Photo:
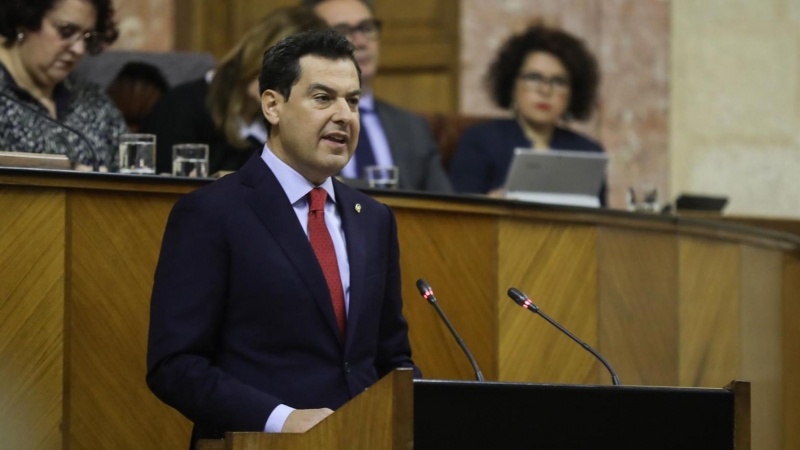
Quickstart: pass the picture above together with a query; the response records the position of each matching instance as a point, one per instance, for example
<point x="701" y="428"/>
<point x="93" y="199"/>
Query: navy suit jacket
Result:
<point x="241" y="318"/>
<point x="485" y="151"/>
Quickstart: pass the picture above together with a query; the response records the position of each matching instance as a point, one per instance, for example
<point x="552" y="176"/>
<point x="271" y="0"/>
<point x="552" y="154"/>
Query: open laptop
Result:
<point x="558" y="177"/>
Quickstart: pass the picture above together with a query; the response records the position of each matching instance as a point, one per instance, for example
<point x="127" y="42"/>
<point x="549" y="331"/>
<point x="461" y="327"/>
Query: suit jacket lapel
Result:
<point x="356" y="255"/>
<point x="269" y="202"/>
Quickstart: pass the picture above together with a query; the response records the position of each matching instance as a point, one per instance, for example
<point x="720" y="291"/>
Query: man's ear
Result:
<point x="271" y="106"/>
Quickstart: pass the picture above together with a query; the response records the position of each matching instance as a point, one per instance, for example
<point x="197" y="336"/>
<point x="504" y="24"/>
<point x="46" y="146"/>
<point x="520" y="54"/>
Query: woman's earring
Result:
<point x="20" y="36"/>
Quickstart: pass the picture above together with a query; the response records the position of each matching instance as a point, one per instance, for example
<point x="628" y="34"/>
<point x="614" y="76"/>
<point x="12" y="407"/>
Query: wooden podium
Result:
<point x="398" y="413"/>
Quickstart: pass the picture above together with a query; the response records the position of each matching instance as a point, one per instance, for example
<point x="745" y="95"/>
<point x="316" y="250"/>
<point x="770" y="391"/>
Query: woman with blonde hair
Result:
<point x="223" y="109"/>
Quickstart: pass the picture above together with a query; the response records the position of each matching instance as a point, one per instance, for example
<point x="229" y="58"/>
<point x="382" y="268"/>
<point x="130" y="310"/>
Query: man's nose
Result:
<point x="344" y="112"/>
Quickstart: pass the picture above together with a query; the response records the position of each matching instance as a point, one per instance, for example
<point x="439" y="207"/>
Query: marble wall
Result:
<point x="735" y="120"/>
<point x="631" y="41"/>
<point x="145" y="25"/>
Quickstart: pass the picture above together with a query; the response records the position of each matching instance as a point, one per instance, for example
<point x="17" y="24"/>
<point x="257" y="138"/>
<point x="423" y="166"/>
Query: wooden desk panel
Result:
<point x="709" y="307"/>
<point x="115" y="241"/>
<point x="668" y="300"/>
<point x="638" y="286"/>
<point x="31" y="317"/>
<point x="555" y="265"/>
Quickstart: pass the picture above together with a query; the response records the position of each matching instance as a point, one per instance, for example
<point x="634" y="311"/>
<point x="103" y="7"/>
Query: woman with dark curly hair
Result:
<point x="41" y="42"/>
<point x="546" y="77"/>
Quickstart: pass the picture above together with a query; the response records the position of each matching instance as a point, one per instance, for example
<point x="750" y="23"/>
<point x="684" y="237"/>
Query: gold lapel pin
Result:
<point x="358" y="208"/>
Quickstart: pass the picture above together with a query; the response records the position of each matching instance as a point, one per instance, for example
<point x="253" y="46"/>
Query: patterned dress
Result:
<point x="80" y="105"/>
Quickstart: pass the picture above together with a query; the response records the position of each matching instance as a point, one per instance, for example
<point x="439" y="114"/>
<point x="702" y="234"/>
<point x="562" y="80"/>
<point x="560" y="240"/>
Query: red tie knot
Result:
<point x="316" y="199"/>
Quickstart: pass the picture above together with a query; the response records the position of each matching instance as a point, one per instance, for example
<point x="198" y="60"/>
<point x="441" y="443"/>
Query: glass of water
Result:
<point x="190" y="160"/>
<point x="642" y="199"/>
<point x="137" y="153"/>
<point x="382" y="177"/>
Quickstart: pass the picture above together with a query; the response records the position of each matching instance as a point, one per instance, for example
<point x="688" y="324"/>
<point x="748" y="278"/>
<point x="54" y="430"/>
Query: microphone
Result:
<point x="58" y="124"/>
<point x="427" y="293"/>
<point x="523" y="300"/>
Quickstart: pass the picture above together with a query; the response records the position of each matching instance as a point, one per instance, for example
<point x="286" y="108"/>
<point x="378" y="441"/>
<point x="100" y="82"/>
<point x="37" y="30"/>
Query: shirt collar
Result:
<point x="294" y="185"/>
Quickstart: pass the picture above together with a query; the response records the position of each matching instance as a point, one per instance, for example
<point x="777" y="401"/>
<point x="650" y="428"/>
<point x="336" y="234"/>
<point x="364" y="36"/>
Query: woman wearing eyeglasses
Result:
<point x="41" y="42"/>
<point x="546" y="77"/>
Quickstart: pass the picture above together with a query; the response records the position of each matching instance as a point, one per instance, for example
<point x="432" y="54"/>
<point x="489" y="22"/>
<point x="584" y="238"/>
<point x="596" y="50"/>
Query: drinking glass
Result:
<point x="382" y="177"/>
<point x="642" y="199"/>
<point x="190" y="160"/>
<point x="137" y="153"/>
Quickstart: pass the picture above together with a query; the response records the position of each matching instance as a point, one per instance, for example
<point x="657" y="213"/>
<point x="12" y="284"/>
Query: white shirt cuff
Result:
<point x="277" y="419"/>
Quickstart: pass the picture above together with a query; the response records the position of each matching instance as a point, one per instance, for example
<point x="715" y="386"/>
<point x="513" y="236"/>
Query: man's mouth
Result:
<point x="337" y="138"/>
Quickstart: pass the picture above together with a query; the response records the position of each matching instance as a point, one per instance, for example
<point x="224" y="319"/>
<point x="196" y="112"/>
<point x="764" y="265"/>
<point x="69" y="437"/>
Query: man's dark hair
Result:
<point x="28" y="14"/>
<point x="310" y="4"/>
<point x="280" y="69"/>
<point x="584" y="74"/>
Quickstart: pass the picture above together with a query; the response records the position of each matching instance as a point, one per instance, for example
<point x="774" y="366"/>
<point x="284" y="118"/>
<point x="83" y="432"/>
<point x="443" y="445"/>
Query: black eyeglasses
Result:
<point x="536" y="80"/>
<point x="71" y="33"/>
<point x="369" y="28"/>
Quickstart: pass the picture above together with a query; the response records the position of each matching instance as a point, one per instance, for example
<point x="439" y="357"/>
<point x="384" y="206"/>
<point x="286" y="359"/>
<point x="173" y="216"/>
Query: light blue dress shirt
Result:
<point x="297" y="188"/>
<point x="376" y="135"/>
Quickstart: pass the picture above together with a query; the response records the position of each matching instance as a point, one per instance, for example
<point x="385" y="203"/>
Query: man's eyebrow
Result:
<point x="320" y="87"/>
<point x="330" y="91"/>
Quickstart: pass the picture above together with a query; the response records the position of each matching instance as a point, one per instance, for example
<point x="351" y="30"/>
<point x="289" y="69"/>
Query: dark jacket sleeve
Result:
<point x="187" y="307"/>
<point x="394" y="349"/>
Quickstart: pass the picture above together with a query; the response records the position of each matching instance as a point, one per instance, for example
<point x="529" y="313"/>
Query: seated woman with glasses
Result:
<point x="41" y="42"/>
<point x="546" y="77"/>
<point x="223" y="108"/>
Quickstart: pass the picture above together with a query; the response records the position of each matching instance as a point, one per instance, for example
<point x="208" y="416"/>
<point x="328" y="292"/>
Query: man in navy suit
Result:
<point x="277" y="292"/>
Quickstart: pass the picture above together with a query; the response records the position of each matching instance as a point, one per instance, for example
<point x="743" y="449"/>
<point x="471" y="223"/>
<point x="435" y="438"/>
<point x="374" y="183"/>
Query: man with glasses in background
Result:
<point x="389" y="135"/>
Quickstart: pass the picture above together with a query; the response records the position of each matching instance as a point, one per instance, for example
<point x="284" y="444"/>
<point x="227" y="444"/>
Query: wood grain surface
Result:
<point x="761" y="352"/>
<point x="791" y="350"/>
<point x="379" y="418"/>
<point x="77" y="256"/>
<point x="637" y="296"/>
<point x="457" y="256"/>
<point x="31" y="317"/>
<point x="116" y="239"/>
<point x="556" y="267"/>
<point x="709" y="308"/>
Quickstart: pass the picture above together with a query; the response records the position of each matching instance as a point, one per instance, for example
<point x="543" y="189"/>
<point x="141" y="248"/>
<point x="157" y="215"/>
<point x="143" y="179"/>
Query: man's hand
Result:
<point x="302" y="420"/>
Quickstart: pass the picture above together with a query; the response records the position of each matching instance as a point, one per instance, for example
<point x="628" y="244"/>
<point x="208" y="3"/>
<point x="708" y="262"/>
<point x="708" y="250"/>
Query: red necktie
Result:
<point x="322" y="244"/>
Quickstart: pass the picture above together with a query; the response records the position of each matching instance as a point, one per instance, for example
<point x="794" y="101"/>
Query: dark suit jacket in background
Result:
<point x="485" y="151"/>
<point x="413" y="149"/>
<point x="182" y="116"/>
<point x="241" y="319"/>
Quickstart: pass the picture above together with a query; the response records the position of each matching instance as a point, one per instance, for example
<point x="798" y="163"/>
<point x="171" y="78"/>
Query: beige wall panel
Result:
<point x="417" y="91"/>
<point x="116" y="240"/>
<point x="791" y="350"/>
<point x="734" y="96"/>
<point x="637" y="296"/>
<point x="31" y="318"/>
<point x="761" y="342"/>
<point x="555" y="265"/>
<point x="709" y="312"/>
<point x="457" y="257"/>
